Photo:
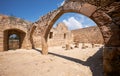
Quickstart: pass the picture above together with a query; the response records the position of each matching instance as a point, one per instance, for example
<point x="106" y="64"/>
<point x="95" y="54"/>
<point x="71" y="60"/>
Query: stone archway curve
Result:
<point x="92" y="11"/>
<point x="105" y="13"/>
<point x="9" y="32"/>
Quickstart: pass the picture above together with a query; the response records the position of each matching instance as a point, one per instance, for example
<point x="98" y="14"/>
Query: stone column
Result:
<point x="67" y="46"/>
<point x="83" y="46"/>
<point x="111" y="61"/>
<point x="92" y="45"/>
<point x="44" y="46"/>
<point x="28" y="44"/>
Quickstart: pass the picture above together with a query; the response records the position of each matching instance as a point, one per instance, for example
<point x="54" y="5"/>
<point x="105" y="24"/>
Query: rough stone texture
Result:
<point x="87" y="9"/>
<point x="111" y="61"/>
<point x="100" y="16"/>
<point x="88" y="35"/>
<point x="59" y="35"/>
<point x="62" y="36"/>
<point x="106" y="14"/>
<point x="14" y="44"/>
<point x="110" y="30"/>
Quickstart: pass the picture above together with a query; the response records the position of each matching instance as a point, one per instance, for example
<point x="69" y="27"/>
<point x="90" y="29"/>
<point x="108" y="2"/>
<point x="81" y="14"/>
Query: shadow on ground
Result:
<point x="94" y="62"/>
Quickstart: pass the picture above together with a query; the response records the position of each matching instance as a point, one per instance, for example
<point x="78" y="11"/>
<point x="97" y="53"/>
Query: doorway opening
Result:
<point x="14" y="42"/>
<point x="13" y="39"/>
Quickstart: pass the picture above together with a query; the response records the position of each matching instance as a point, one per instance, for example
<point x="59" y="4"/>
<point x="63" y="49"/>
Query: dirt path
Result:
<point x="59" y="62"/>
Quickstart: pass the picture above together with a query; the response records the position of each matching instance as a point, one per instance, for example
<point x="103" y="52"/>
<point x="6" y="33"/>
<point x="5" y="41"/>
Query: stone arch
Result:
<point x="85" y="9"/>
<point x="99" y="15"/>
<point x="105" y="13"/>
<point x="30" y="34"/>
<point x="9" y="32"/>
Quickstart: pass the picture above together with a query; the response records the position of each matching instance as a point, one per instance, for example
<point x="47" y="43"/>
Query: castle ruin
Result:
<point x="105" y="13"/>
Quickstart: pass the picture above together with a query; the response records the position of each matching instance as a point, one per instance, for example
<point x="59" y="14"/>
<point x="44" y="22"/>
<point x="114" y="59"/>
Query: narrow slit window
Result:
<point x="64" y="35"/>
<point x="51" y="35"/>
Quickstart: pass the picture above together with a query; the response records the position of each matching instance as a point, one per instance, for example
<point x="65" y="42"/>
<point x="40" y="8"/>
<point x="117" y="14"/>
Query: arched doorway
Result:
<point x="13" y="39"/>
<point x="14" y="42"/>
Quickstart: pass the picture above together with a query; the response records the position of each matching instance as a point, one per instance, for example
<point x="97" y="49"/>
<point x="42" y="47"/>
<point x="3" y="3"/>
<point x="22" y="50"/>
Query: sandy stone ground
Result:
<point x="59" y="62"/>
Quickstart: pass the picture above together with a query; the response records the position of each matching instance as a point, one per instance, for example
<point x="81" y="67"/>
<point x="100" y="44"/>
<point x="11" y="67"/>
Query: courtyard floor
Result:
<point x="59" y="62"/>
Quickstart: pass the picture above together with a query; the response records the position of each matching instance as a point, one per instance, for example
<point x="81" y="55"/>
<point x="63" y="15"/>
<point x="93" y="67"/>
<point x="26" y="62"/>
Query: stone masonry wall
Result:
<point x="57" y="36"/>
<point x="61" y="35"/>
<point x="12" y="25"/>
<point x="88" y="35"/>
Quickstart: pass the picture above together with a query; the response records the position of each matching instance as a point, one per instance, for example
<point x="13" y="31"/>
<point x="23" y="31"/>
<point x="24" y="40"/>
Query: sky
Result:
<point x="32" y="10"/>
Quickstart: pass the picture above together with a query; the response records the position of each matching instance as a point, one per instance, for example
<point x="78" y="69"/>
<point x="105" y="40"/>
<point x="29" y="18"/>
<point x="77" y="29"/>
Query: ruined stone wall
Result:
<point x="12" y="25"/>
<point x="61" y="36"/>
<point x="106" y="15"/>
<point x="88" y="35"/>
<point x="57" y="36"/>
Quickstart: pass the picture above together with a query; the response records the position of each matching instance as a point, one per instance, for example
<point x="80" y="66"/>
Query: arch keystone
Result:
<point x="88" y="9"/>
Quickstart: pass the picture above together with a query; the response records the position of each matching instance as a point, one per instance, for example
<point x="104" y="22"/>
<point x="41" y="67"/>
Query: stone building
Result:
<point x="10" y="25"/>
<point x="58" y="36"/>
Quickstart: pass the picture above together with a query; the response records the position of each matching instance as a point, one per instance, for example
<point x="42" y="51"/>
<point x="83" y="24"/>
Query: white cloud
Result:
<point x="72" y="23"/>
<point x="81" y="18"/>
<point x="86" y="25"/>
<point x="61" y="4"/>
<point x="85" y="21"/>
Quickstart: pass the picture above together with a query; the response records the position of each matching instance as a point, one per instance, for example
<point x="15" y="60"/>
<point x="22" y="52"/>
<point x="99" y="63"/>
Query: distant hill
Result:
<point x="88" y="35"/>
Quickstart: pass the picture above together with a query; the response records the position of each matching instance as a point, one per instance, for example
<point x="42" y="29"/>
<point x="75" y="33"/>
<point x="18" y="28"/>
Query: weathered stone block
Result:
<point x="68" y="47"/>
<point x="111" y="61"/>
<point x="44" y="47"/>
<point x="88" y="9"/>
